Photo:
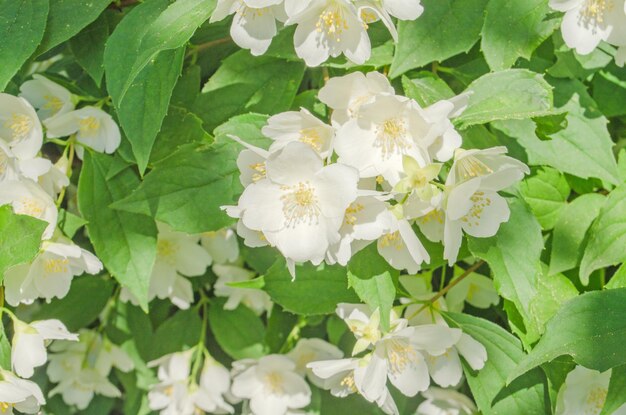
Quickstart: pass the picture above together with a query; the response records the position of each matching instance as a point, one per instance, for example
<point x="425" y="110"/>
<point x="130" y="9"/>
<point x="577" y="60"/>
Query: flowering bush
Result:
<point x="289" y="207"/>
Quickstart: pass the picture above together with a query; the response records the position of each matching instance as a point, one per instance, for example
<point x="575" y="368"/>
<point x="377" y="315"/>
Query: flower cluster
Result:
<point x="588" y="22"/>
<point x="324" y="28"/>
<point x="321" y="192"/>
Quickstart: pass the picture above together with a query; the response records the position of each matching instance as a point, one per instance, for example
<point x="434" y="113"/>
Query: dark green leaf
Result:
<point x="20" y="238"/>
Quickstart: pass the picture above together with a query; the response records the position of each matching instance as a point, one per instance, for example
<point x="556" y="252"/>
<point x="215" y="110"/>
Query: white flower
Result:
<point x="254" y="23"/>
<point x="82" y="368"/>
<point x="302" y="126"/>
<point x="476" y="290"/>
<point x="372" y="10"/>
<point x="55" y="179"/>
<point x="272" y="386"/>
<point x="20" y="394"/>
<point x="49" y="98"/>
<point x="214" y="385"/>
<point x="445" y="402"/>
<point x="496" y="171"/>
<point x="401" y="247"/>
<point x="584" y="393"/>
<point x="20" y="127"/>
<point x="256" y="300"/>
<point x="50" y="274"/>
<point x="178" y="254"/>
<point x="439" y="115"/>
<point x="362" y="322"/>
<point x="27" y="198"/>
<point x="588" y="22"/>
<point x="14" y="168"/>
<point x="92" y="127"/>
<point x="28" y="349"/>
<point x="346" y="94"/>
<point x="329" y="28"/>
<point x="300" y="206"/>
<point x="310" y="350"/>
<point x="221" y="245"/>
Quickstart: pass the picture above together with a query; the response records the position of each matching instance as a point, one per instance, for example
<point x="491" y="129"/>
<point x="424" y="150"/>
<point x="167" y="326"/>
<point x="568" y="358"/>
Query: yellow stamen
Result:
<point x="391" y="137"/>
<point x="20" y="125"/>
<point x="89" y="125"/>
<point x="300" y="204"/>
<point x="56" y="266"/>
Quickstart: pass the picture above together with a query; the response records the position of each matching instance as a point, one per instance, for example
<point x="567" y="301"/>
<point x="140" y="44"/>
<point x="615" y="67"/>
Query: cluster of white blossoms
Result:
<point x="324" y="28"/>
<point x="586" y="23"/>
<point x="321" y="192"/>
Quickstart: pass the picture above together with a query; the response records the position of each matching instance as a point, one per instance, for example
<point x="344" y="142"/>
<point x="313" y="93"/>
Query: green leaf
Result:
<point x="88" y="294"/>
<point x="583" y="148"/>
<point x="247" y="127"/>
<point x="179" y="332"/>
<point x="149" y="28"/>
<point x="70" y="223"/>
<point x="447" y="28"/>
<point x="426" y="90"/>
<point x="20" y="238"/>
<point x="546" y="193"/>
<point x="22" y="23"/>
<point x="5" y="350"/>
<point x="124" y="242"/>
<point x="505" y="95"/>
<point x="618" y="280"/>
<point x="246" y="83"/>
<point x="616" y="396"/>
<point x="514" y="29"/>
<point x="607" y="236"/>
<point x="569" y="232"/>
<point x="187" y="189"/>
<point x="609" y="91"/>
<point x="552" y="292"/>
<point x="576" y="330"/>
<point x="367" y="263"/>
<point x="145" y="104"/>
<point x="514" y="258"/>
<point x="504" y="352"/>
<point x="302" y="294"/>
<point x="88" y="47"/>
<point x="378" y="292"/>
<point x="68" y="17"/>
<point x="239" y="332"/>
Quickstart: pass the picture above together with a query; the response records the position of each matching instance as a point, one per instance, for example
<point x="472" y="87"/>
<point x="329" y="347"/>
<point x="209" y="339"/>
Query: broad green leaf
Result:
<point x="150" y="28"/>
<point x="570" y="64"/>
<point x="179" y="332"/>
<point x="607" y="236"/>
<point x="590" y="328"/>
<point x="88" y="294"/>
<point x="546" y="193"/>
<point x="188" y="189"/>
<point x="514" y="258"/>
<point x="70" y="223"/>
<point x="367" y="263"/>
<point x="505" y="95"/>
<point x="552" y="292"/>
<point x="88" y="47"/>
<point x="609" y="91"/>
<point x="20" y="238"/>
<point x="583" y="149"/>
<point x="504" y="352"/>
<point x="247" y="127"/>
<point x="145" y="104"/>
<point x="514" y="29"/>
<point x="618" y="280"/>
<point x="378" y="292"/>
<point x="447" y="28"/>
<point x="569" y="232"/>
<point x="125" y="242"/>
<point x="302" y="295"/>
<point x="22" y="24"/>
<point x="68" y="17"/>
<point x="245" y="83"/>
<point x="279" y="325"/>
<point x="239" y="332"/>
<point x="426" y="90"/>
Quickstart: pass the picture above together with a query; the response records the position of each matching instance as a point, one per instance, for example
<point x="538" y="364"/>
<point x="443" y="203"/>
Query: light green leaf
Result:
<point x="188" y="189"/>
<point x="426" y="90"/>
<point x="68" y="17"/>
<point x="576" y="330"/>
<point x="504" y="352"/>
<point x="22" y="23"/>
<point x="88" y="47"/>
<point x="505" y="95"/>
<point x="514" y="258"/>
<point x="569" y="232"/>
<point x="607" y="236"/>
<point x="546" y="193"/>
<point x="20" y="238"/>
<point x="552" y="292"/>
<point x="378" y="292"/>
<point x="246" y="83"/>
<point x="514" y="29"/>
<point x="125" y="242"/>
<point x="69" y="223"/>
<point x="302" y="294"/>
<point x="239" y="332"/>
<point x="5" y="350"/>
<point x="447" y="28"/>
<point x="618" y="280"/>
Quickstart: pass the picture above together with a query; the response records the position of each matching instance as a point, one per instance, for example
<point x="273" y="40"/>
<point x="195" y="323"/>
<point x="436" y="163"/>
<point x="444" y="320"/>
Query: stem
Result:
<point x="68" y="172"/>
<point x="195" y="49"/>
<point x="293" y="334"/>
<point x="199" y="352"/>
<point x="448" y="287"/>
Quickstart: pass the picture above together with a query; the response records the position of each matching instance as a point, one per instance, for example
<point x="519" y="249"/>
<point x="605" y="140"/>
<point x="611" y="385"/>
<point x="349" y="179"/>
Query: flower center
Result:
<point x="20" y="125"/>
<point x="259" y="171"/>
<point x="311" y="137"/>
<point x="6" y="408"/>
<point x="274" y="382"/>
<point x="368" y="16"/>
<point x="56" y="266"/>
<point x="300" y="205"/>
<point x="348" y="383"/>
<point x="391" y="137"/>
<point x="480" y="202"/>
<point x="89" y="125"/>
<point x="400" y="356"/>
<point x="433" y="215"/>
<point x="350" y="216"/>
<point x="595" y="401"/>
<point x="52" y="103"/>
<point x="594" y="10"/>
<point x="332" y="22"/>
<point x="166" y="251"/>
<point x="28" y="206"/>
<point x="391" y="239"/>
<point x="469" y="167"/>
